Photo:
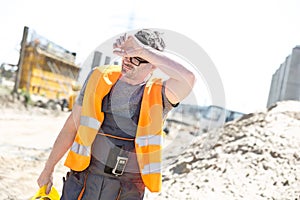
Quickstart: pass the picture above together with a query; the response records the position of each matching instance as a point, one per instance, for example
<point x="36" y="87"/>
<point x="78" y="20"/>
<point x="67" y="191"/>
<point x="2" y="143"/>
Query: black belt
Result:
<point x="116" y="161"/>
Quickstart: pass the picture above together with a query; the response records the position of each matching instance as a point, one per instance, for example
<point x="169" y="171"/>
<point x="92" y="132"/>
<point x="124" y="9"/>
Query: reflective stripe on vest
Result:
<point x="149" y="140"/>
<point x="152" y="168"/>
<point x="90" y="122"/>
<point x="81" y="149"/>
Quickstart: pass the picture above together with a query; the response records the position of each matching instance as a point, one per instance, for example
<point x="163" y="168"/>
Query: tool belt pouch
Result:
<point x="116" y="162"/>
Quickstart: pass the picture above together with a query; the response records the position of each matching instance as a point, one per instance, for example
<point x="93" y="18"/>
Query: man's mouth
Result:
<point x="128" y="67"/>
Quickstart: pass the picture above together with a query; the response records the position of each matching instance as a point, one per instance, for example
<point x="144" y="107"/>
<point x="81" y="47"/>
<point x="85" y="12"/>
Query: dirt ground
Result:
<point x="26" y="139"/>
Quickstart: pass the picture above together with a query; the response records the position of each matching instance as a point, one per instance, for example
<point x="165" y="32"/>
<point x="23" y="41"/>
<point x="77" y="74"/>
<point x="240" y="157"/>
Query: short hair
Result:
<point x="151" y="38"/>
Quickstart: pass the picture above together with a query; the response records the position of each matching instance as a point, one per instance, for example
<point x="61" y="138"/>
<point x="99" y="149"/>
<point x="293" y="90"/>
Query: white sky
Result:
<point x="246" y="40"/>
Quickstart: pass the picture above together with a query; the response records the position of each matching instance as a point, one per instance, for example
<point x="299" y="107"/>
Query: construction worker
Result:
<point x="114" y="131"/>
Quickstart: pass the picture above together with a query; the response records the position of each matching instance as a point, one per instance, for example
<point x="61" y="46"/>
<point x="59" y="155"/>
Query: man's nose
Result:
<point x="126" y="60"/>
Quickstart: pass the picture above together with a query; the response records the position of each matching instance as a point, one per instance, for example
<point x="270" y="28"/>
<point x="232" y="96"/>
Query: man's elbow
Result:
<point x="190" y="79"/>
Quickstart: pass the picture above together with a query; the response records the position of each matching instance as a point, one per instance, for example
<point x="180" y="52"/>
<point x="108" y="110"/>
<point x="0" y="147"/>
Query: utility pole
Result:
<point x="20" y="62"/>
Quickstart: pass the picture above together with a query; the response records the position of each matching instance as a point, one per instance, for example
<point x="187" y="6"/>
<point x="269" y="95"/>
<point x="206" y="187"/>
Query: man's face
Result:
<point x="135" y="67"/>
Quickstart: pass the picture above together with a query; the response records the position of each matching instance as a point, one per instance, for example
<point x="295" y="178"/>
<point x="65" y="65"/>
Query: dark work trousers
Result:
<point x="94" y="184"/>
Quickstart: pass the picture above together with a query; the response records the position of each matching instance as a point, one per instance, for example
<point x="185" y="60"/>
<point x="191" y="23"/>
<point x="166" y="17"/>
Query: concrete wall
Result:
<point x="285" y="83"/>
<point x="292" y="91"/>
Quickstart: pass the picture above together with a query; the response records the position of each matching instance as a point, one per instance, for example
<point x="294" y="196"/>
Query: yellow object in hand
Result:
<point x="41" y="194"/>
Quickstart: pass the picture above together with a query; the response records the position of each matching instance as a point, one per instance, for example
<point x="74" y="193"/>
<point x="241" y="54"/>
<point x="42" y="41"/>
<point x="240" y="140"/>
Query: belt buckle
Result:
<point x="120" y="166"/>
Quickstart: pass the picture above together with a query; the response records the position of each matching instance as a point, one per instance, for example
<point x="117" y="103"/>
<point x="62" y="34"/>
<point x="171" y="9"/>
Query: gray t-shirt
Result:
<point x="121" y="108"/>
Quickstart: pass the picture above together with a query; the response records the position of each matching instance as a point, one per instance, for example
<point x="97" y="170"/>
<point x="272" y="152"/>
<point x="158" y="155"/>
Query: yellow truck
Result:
<point x="48" y="72"/>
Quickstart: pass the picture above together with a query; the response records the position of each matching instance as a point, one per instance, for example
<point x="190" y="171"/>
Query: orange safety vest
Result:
<point x="148" y="141"/>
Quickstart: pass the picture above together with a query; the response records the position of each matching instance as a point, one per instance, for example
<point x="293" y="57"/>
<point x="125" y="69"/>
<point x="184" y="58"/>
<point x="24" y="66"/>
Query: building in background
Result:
<point x="285" y="83"/>
<point x="102" y="55"/>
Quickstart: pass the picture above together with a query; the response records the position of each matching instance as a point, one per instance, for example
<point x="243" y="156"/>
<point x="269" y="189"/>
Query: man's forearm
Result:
<point x="63" y="141"/>
<point x="181" y="79"/>
<point x="169" y="66"/>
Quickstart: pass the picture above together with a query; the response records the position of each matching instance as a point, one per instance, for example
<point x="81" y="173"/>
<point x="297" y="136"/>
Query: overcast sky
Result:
<point x="246" y="40"/>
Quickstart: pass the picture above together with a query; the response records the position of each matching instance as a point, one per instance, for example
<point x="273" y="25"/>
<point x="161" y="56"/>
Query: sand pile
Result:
<point x="256" y="157"/>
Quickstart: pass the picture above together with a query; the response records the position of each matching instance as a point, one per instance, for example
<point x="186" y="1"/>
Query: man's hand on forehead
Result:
<point x="128" y="46"/>
<point x="119" y="41"/>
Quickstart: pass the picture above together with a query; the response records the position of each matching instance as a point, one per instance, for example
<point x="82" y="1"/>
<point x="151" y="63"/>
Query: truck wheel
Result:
<point x="39" y="104"/>
<point x="51" y="105"/>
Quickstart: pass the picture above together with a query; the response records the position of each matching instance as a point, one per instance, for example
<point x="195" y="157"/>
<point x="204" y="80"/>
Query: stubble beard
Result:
<point x="128" y="70"/>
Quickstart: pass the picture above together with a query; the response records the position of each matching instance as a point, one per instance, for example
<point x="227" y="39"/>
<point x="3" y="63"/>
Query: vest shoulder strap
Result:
<point x="106" y="69"/>
<point x="151" y="82"/>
